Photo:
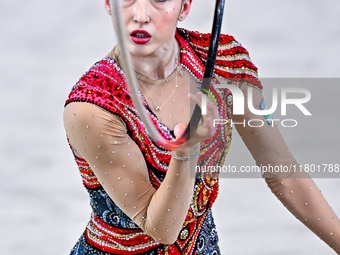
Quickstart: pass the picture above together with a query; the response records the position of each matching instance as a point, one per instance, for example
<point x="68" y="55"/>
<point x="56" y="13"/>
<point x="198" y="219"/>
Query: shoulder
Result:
<point x="232" y="61"/>
<point x="85" y="124"/>
<point x="203" y="39"/>
<point x="103" y="84"/>
<point x="227" y="45"/>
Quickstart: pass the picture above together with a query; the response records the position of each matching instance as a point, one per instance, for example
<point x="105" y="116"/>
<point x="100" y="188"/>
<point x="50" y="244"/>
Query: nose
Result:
<point x="141" y="12"/>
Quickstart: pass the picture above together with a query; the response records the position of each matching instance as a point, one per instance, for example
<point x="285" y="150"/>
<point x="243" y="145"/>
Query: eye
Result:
<point x="127" y="3"/>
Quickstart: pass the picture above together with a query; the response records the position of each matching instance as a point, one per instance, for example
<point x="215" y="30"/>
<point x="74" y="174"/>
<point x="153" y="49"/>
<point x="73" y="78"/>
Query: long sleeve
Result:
<point x="295" y="189"/>
<point x="101" y="138"/>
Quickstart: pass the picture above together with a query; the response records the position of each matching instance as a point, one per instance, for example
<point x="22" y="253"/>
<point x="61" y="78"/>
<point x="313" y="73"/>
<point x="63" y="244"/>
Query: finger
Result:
<point x="212" y="109"/>
<point x="179" y="129"/>
<point x="207" y="128"/>
<point x="197" y="98"/>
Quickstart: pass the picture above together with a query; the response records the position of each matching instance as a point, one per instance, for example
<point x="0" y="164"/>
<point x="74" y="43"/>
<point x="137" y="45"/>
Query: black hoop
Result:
<point x="134" y="86"/>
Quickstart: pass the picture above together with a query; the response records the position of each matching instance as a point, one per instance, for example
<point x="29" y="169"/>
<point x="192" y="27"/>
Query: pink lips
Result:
<point x="140" y="36"/>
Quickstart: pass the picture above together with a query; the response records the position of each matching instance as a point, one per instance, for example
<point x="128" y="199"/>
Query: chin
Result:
<point x="140" y="50"/>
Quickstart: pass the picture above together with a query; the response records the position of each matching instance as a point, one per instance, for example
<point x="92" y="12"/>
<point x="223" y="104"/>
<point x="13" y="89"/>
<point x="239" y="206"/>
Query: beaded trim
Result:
<point x="88" y="177"/>
<point x="117" y="241"/>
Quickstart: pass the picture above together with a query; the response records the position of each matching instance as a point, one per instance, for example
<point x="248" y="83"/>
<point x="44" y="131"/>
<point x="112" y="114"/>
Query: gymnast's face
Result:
<point x="151" y="24"/>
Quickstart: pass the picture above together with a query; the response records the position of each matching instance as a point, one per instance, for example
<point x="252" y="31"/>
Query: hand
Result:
<point x="204" y="131"/>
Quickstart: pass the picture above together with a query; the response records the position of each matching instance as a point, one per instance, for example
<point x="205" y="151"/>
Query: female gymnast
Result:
<point x="143" y="199"/>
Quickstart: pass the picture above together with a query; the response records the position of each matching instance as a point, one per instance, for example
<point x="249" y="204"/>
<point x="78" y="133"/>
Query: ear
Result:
<point x="185" y="10"/>
<point x="107" y="5"/>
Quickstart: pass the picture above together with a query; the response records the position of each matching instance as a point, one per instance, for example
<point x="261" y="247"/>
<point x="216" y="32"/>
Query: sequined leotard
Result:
<point x="138" y="206"/>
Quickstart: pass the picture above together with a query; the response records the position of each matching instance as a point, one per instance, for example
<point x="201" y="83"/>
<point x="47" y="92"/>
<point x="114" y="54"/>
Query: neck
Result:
<point x="160" y="64"/>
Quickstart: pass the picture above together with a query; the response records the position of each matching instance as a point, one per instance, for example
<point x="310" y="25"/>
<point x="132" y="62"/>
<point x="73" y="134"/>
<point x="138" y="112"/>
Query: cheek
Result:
<point x="167" y="21"/>
<point x="125" y="16"/>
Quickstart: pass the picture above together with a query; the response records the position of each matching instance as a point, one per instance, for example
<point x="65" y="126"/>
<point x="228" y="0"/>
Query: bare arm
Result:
<point x="297" y="191"/>
<point x="101" y="139"/>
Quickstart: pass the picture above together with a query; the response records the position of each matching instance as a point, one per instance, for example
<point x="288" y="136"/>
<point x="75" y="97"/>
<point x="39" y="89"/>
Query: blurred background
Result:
<point x="45" y="46"/>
